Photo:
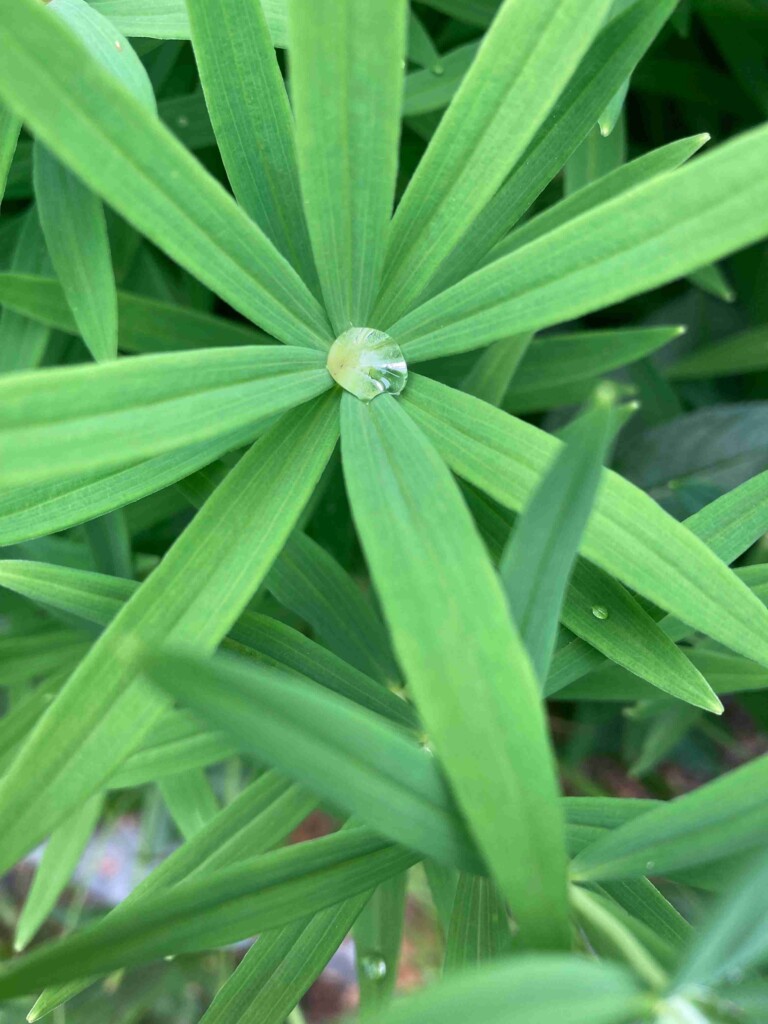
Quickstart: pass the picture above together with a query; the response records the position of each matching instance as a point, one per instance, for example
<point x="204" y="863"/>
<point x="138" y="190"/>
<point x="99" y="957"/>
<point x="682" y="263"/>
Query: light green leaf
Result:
<point x="256" y="820"/>
<point x="346" y="86"/>
<point x="127" y="156"/>
<point x="624" y="178"/>
<point x="538" y="559"/>
<point x="542" y="989"/>
<point x="610" y="59"/>
<point x="96" y="598"/>
<point x="251" y="117"/>
<point x="720" y="818"/>
<point x="523" y="63"/>
<point x="65" y="421"/>
<point x="490" y="377"/>
<point x="644" y="238"/>
<point x="168" y="19"/>
<point x="628" y="535"/>
<point x="557" y="368"/>
<point x="218" y="908"/>
<point x="190" y="800"/>
<point x="76" y="236"/>
<point x="596" y="157"/>
<point x="193" y="597"/>
<point x="276" y="972"/>
<point x="42" y="509"/>
<point x="351" y="757"/>
<point x="378" y="939"/>
<point x="145" y="324"/>
<point x="712" y="280"/>
<point x="462" y="657"/>
<point x="479" y="928"/>
<point x="426" y="90"/>
<point x="59" y="860"/>
<point x="736" y="936"/>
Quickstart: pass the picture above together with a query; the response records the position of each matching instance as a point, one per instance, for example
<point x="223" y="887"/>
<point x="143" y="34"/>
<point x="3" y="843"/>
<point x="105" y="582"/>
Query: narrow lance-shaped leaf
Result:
<point x="218" y="908"/>
<point x="479" y="928"/>
<point x="123" y="152"/>
<point x="612" y="56"/>
<point x="256" y="820"/>
<point x="23" y="341"/>
<point x="251" y="117"/>
<point x="538" y="559"/>
<point x="461" y="655"/>
<point x="10" y="126"/>
<point x="72" y="420"/>
<point x="59" y="860"/>
<point x="524" y="61"/>
<point x="628" y="534"/>
<point x="644" y="238"/>
<point x="718" y="819"/>
<point x="346" y="85"/>
<point x="105" y="708"/>
<point x="735" y="937"/>
<point x="378" y="939"/>
<point x="542" y="989"/>
<point x="358" y="762"/>
<point x="145" y="324"/>
<point x="190" y="800"/>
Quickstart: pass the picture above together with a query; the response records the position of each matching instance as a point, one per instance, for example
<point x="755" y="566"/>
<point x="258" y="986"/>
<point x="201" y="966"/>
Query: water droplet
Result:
<point x="650" y="865"/>
<point x="367" y="363"/>
<point x="600" y="611"/>
<point x="118" y="46"/>
<point x="438" y="69"/>
<point x="170" y="958"/>
<point x="374" y="967"/>
<point x="182" y="121"/>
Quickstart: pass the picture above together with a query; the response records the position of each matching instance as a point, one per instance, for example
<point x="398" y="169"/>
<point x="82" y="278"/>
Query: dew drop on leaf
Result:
<point x="374" y="967"/>
<point x="600" y="611"/>
<point x="650" y="865"/>
<point x="367" y="363"/>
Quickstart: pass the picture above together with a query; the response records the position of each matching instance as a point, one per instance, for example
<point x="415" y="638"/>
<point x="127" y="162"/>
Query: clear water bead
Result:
<point x="374" y="967"/>
<point x="600" y="611"/>
<point x="367" y="363"/>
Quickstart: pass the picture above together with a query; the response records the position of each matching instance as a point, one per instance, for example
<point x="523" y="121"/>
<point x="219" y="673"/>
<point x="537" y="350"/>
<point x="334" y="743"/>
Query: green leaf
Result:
<point x="65" y="421"/>
<point x="643" y="238"/>
<point x="735" y="938"/>
<point x="542" y="989"/>
<point x="628" y="535"/>
<point x="190" y="800"/>
<point x="523" y="63"/>
<point x="609" y="61"/>
<point x="346" y="86"/>
<point x="624" y="178"/>
<point x="193" y="597"/>
<point x="60" y="858"/>
<point x="745" y="352"/>
<point x="306" y="579"/>
<point x="713" y="281"/>
<point x="378" y="939"/>
<point x="720" y="818"/>
<point x="538" y="559"/>
<point x="257" y="819"/>
<point x="251" y="117"/>
<point x="218" y="908"/>
<point x="479" y="927"/>
<point x="459" y="650"/>
<point x="354" y="759"/>
<point x="490" y="377"/>
<point x="557" y="368"/>
<point x="96" y="598"/>
<point x="421" y="48"/>
<point x="426" y="90"/>
<point x="99" y="130"/>
<point x="10" y="126"/>
<point x="76" y="236"/>
<point x="168" y="19"/>
<point x="23" y="341"/>
<point x="276" y="972"/>
<point x="42" y="509"/>
<point x="596" y="157"/>
<point x="145" y="324"/>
